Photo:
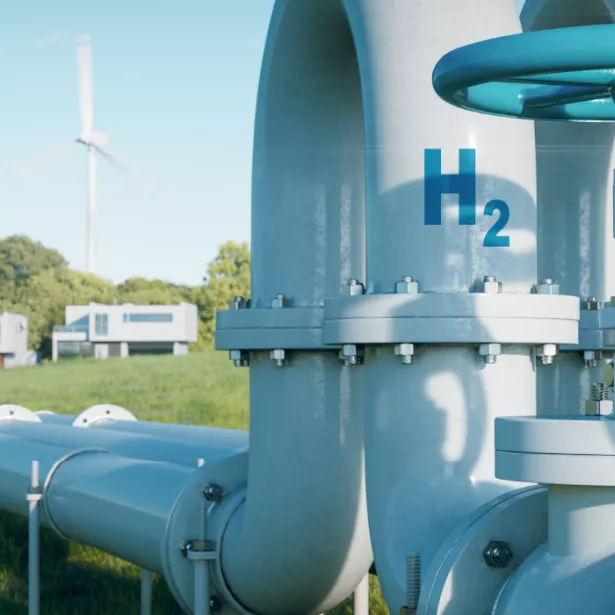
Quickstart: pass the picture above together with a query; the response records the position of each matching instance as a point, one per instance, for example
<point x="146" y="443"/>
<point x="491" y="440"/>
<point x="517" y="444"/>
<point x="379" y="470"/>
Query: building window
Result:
<point x="101" y="324"/>
<point x="148" y="317"/>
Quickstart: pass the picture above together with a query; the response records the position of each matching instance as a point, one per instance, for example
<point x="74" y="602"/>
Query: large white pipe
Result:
<point x="136" y="446"/>
<point x="575" y="221"/>
<point x="300" y="542"/>
<point x="429" y="425"/>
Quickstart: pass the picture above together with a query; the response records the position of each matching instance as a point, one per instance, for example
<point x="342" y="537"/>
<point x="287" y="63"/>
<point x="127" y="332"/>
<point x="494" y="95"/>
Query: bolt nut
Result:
<point x="497" y="554"/>
<point x="278" y="356"/>
<point x="240" y="358"/>
<point x="407" y="286"/>
<point x="238" y="303"/>
<point x="592" y="304"/>
<point x="406" y="352"/>
<point x="591" y="357"/>
<point x="489" y="286"/>
<point x="604" y="407"/>
<point x="354" y="287"/>
<point x="547" y="353"/>
<point x="279" y="301"/>
<point x="490" y="352"/>
<point x="213" y="492"/>
<point x="546" y="287"/>
<point x="215" y="604"/>
<point x="351" y="354"/>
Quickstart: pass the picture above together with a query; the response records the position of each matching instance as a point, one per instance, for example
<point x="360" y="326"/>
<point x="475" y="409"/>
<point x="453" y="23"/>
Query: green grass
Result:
<point x="199" y="389"/>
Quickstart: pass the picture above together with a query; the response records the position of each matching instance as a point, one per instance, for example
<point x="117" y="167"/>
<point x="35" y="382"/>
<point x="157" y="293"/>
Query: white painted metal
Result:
<point x="361" y="597"/>
<point x="91" y="211"/>
<point x="34" y="497"/>
<point x="575" y="222"/>
<point x="146" y="592"/>
<point x="429" y="426"/>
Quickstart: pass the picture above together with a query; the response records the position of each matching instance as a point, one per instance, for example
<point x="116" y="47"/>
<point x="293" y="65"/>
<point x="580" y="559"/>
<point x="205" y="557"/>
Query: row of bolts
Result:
<point x="351" y="355"/>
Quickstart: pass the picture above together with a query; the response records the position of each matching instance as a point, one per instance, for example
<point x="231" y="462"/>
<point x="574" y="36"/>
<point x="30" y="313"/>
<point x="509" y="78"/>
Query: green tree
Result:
<point x="141" y="291"/>
<point x="21" y="258"/>
<point x="228" y="276"/>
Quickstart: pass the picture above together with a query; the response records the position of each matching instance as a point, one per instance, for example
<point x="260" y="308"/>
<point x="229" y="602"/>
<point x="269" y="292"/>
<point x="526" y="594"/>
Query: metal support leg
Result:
<point x="34" y="497"/>
<point x="361" y="597"/>
<point x="201" y="587"/>
<point x="146" y="592"/>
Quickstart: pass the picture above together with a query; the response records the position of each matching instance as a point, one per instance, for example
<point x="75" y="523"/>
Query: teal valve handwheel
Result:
<point x="563" y="74"/>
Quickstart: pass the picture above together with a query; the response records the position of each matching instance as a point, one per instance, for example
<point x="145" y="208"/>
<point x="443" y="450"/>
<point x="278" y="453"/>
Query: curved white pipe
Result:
<point x="300" y="542"/>
<point x="429" y="426"/>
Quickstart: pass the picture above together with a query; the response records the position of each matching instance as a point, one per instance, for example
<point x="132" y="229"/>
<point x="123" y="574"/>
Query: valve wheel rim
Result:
<point x="562" y="74"/>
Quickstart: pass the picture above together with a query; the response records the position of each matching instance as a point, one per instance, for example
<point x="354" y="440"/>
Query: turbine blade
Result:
<point x="135" y="176"/>
<point x="21" y="171"/>
<point x="84" y="78"/>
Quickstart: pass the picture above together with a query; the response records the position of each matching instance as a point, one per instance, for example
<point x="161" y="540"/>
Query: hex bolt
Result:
<point x="407" y="286"/>
<point x="278" y="356"/>
<point x="279" y="301"/>
<point x="591" y="357"/>
<point x="406" y="352"/>
<point x="351" y="355"/>
<point x="240" y="358"/>
<point x="546" y="287"/>
<point x="497" y="554"/>
<point x="215" y="604"/>
<point x="490" y="352"/>
<point x="489" y="286"/>
<point x="238" y="303"/>
<point x="599" y="403"/>
<point x="354" y="288"/>
<point x="547" y="353"/>
<point x="213" y="492"/>
<point x="591" y="304"/>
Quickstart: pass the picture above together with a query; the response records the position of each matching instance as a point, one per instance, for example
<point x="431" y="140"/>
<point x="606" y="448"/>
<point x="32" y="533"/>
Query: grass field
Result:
<point x="200" y="389"/>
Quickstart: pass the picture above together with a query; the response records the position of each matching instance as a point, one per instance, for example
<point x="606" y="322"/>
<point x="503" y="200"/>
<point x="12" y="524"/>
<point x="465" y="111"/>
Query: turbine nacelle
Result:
<point x="95" y="138"/>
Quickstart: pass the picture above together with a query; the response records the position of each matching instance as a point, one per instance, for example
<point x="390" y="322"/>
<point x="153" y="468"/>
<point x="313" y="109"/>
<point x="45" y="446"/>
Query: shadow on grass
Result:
<point x="70" y="587"/>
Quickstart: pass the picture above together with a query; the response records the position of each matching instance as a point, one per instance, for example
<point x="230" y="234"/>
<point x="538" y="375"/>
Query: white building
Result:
<point x="105" y="331"/>
<point x="14" y="341"/>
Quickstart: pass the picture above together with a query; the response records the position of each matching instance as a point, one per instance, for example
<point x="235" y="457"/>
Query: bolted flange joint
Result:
<point x="240" y="358"/>
<point x="213" y="492"/>
<point x="405" y="352"/>
<point x="354" y="288"/>
<point x="407" y="286"/>
<point x="599" y="404"/>
<point x="489" y="286"/>
<point x="546" y="287"/>
<point x="351" y="355"/>
<point x="497" y="554"/>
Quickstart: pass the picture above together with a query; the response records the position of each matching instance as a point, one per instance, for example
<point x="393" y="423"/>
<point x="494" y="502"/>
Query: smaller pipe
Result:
<point x="146" y="592"/>
<point x="361" y="597"/>
<point x="34" y="497"/>
<point x="201" y="587"/>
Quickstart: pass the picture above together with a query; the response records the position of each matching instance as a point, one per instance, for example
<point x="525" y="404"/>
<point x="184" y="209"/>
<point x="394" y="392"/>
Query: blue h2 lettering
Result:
<point x="463" y="184"/>
<point x="437" y="184"/>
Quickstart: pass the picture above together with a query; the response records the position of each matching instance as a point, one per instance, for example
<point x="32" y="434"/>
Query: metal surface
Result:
<point x="460" y="581"/>
<point x="146" y="592"/>
<point x="34" y="497"/>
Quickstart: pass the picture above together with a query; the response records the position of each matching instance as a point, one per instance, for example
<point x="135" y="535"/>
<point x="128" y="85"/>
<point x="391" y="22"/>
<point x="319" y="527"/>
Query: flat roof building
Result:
<point x="104" y="331"/>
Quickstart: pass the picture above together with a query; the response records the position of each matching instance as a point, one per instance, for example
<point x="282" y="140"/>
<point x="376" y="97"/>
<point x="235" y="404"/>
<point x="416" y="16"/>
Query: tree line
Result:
<point x="37" y="282"/>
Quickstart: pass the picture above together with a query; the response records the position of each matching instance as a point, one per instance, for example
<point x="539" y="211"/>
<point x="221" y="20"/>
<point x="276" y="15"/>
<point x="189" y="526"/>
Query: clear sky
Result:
<point x="175" y="87"/>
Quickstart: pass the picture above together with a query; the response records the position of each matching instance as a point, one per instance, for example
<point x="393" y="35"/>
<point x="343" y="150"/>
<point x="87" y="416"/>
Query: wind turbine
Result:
<point x="95" y="143"/>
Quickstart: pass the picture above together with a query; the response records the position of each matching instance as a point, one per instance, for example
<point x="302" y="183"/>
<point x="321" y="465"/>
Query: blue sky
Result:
<point x="174" y="87"/>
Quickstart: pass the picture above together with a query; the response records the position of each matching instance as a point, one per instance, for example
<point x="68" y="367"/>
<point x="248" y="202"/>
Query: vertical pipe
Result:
<point x="146" y="592"/>
<point x="201" y="587"/>
<point x="34" y="498"/>
<point x="91" y="211"/>
<point x="361" y="597"/>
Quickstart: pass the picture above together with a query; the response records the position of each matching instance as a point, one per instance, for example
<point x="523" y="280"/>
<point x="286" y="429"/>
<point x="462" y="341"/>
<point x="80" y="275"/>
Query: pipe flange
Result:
<point x="231" y="475"/>
<point x="102" y="412"/>
<point x="596" y="330"/>
<point x="47" y="484"/>
<point x="11" y="412"/>
<point x="452" y="318"/>
<point x="289" y="328"/>
<point x="465" y="567"/>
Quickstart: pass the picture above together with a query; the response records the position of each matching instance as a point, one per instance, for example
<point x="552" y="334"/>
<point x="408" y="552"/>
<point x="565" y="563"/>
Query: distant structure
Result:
<point x="14" y="341"/>
<point x="103" y="331"/>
